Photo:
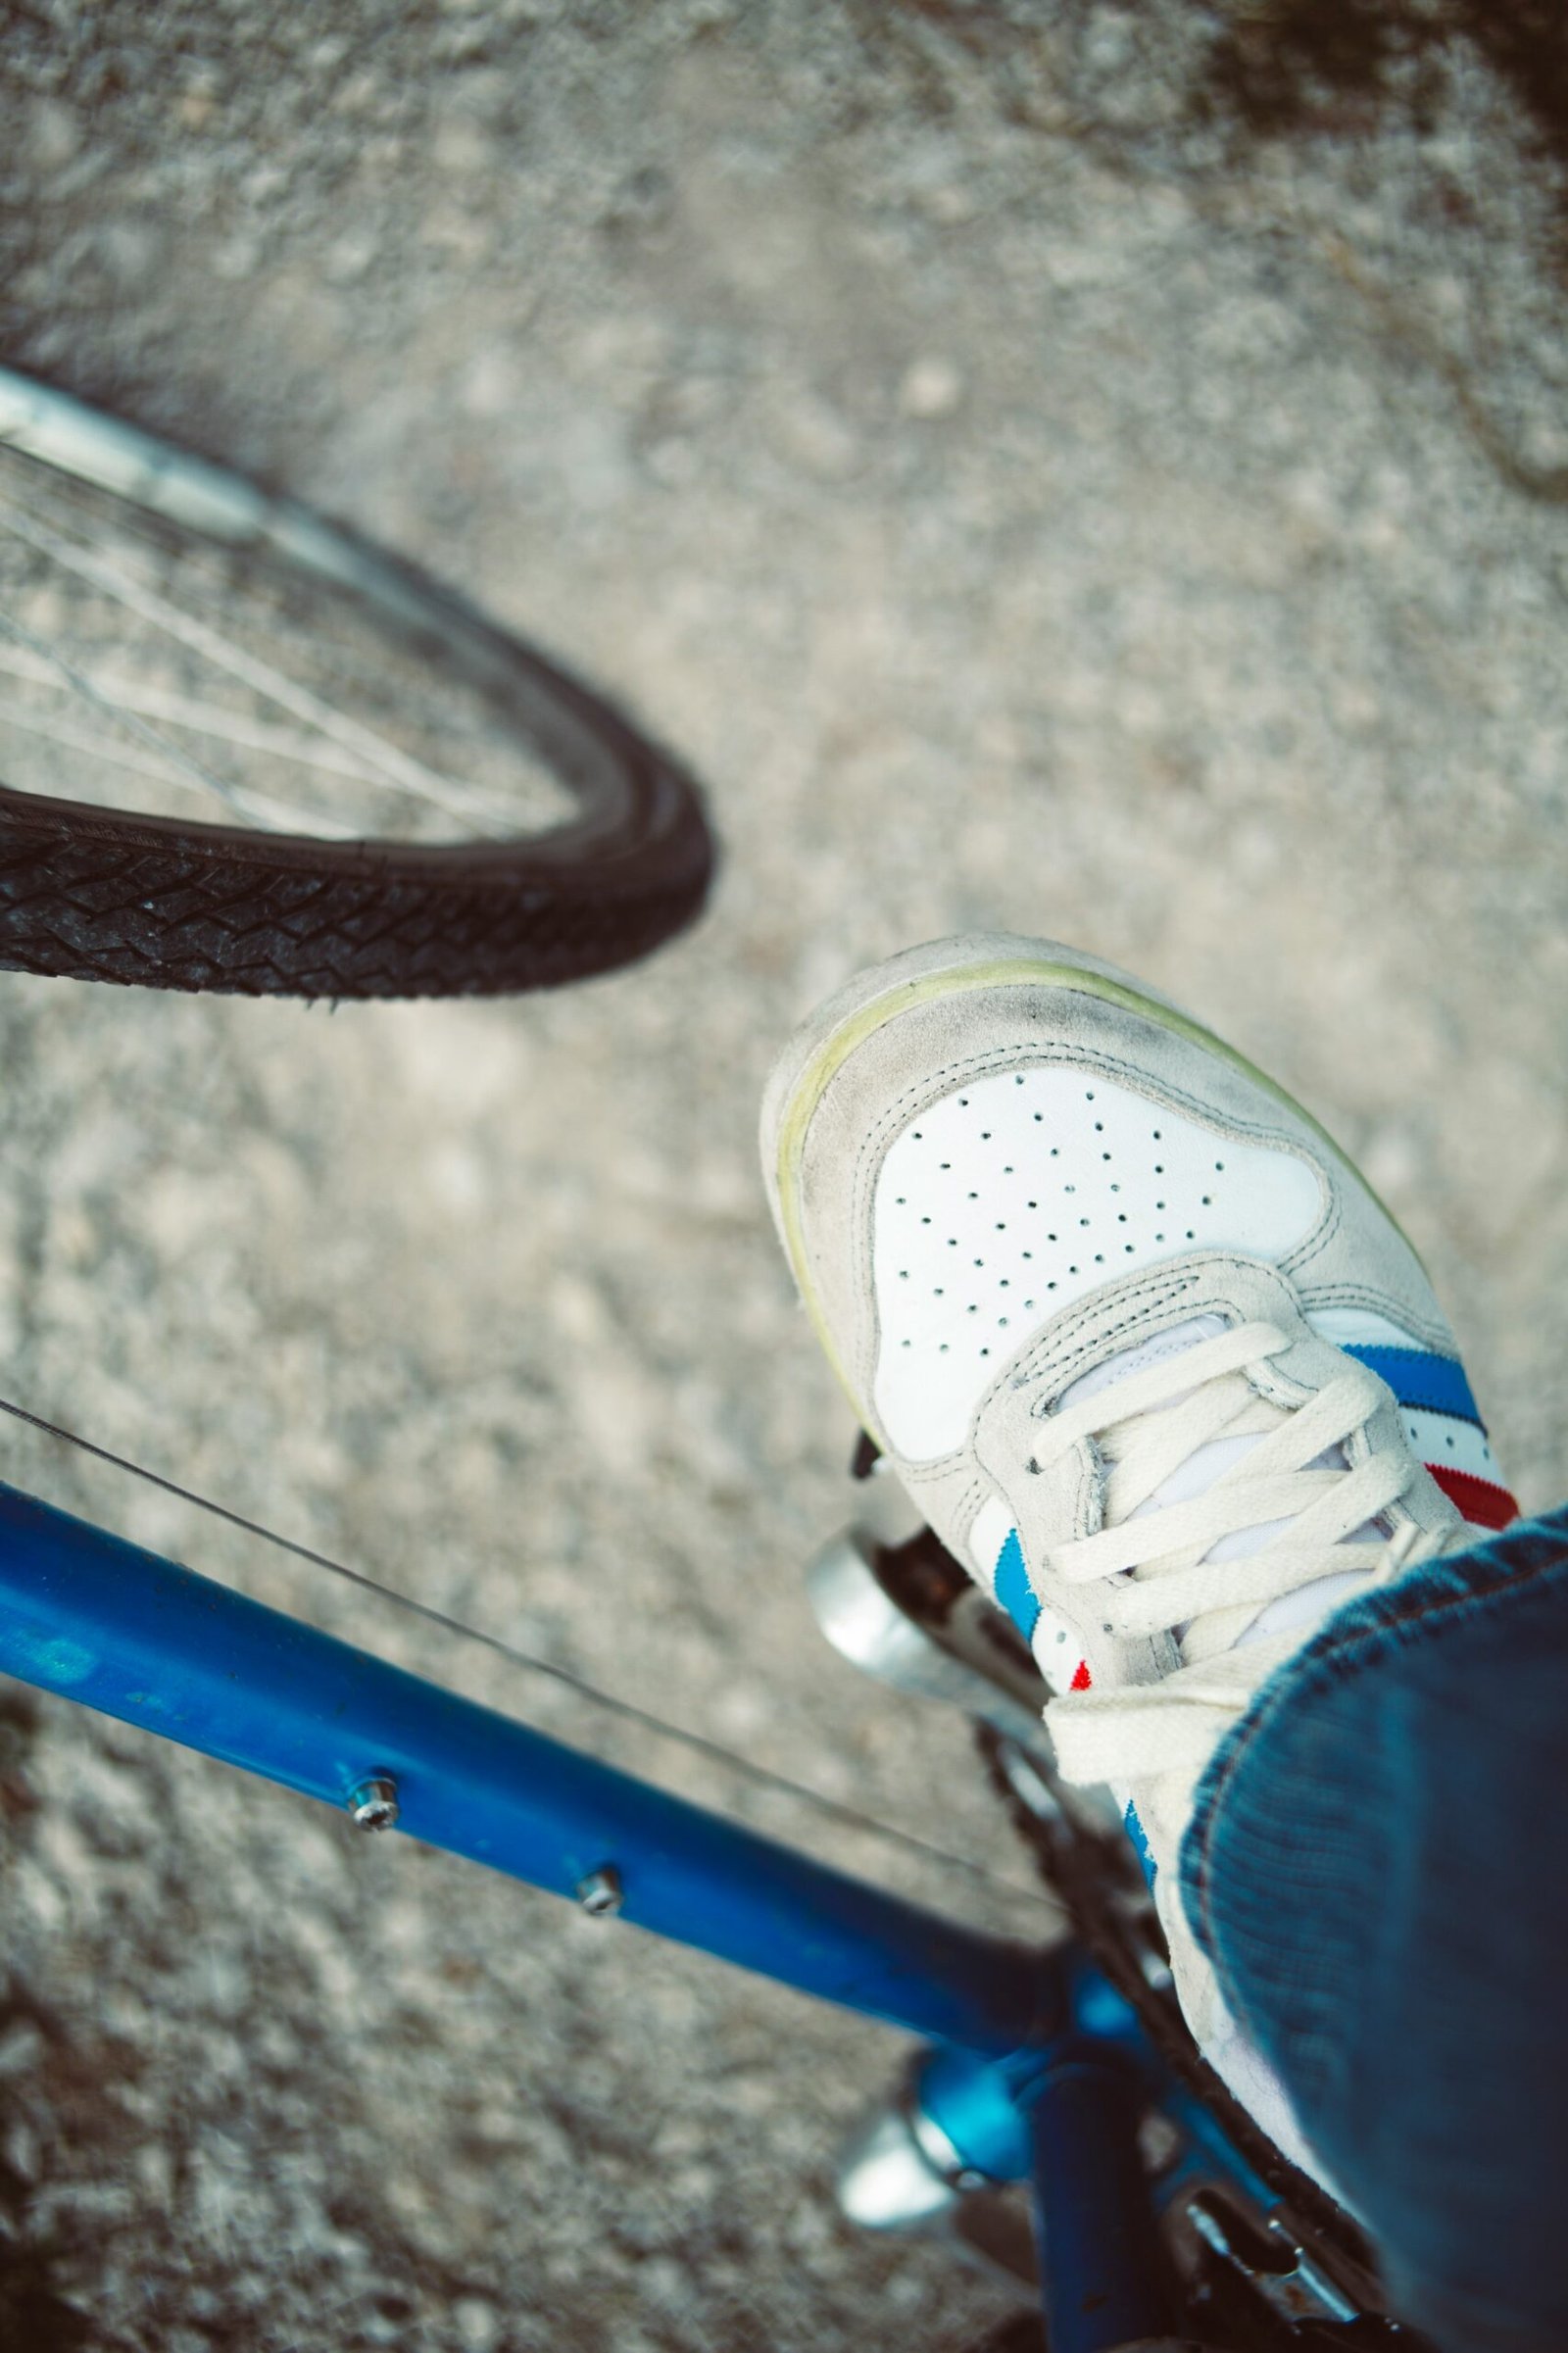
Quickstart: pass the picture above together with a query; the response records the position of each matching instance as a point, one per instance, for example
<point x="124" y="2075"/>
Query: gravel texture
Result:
<point x="1096" y="471"/>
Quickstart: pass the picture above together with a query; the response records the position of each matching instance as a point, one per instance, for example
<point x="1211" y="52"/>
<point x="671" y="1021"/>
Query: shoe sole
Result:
<point x="950" y="968"/>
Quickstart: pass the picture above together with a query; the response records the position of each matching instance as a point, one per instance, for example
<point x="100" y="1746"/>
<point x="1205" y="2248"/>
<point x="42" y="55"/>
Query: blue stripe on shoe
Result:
<point x="1422" y="1381"/>
<point x="1013" y="1589"/>
<point x="1141" y="1846"/>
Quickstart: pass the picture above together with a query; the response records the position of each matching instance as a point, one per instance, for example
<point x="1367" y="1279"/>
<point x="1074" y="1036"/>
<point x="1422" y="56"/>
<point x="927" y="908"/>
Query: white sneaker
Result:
<point x="1142" y="1344"/>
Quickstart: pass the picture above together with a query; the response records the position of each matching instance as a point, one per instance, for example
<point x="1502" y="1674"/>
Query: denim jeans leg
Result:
<point x="1378" y="1867"/>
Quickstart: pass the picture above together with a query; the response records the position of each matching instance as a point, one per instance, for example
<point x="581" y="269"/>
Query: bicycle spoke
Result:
<point x="115" y="695"/>
<point x="202" y="718"/>
<point x="390" y="769"/>
<point x="192" y="771"/>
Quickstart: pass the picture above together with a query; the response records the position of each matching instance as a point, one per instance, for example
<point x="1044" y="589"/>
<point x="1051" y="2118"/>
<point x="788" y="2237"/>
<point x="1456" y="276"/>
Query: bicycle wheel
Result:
<point x="346" y="781"/>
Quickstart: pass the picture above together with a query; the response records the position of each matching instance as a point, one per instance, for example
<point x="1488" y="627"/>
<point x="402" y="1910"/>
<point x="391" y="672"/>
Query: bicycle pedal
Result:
<point x="907" y="1615"/>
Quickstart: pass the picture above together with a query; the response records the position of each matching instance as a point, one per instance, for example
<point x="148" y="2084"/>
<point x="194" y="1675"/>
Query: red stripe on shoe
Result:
<point x="1484" y="1503"/>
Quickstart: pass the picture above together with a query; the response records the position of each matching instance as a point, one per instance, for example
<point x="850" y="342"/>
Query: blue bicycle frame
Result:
<point x="1038" y="2068"/>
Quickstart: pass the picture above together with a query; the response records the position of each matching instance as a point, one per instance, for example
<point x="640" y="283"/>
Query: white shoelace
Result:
<point x="1168" y="1568"/>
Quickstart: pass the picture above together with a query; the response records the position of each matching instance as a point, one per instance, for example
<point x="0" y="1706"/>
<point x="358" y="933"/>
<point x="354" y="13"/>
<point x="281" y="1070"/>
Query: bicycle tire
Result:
<point x="106" y="893"/>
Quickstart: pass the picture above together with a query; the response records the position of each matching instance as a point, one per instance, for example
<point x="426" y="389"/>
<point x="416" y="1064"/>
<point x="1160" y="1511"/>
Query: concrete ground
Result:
<point x="1094" y="470"/>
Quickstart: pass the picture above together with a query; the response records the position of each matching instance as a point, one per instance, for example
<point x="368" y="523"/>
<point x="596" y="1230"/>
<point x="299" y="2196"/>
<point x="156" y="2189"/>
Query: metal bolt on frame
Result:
<point x="600" y="1893"/>
<point x="373" y="1803"/>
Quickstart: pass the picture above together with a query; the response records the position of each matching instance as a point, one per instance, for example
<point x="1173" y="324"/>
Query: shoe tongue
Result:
<point x="1209" y="1462"/>
<point x="1141" y="1354"/>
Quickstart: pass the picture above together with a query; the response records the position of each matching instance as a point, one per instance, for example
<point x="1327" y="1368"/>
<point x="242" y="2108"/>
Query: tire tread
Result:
<point x="98" y="902"/>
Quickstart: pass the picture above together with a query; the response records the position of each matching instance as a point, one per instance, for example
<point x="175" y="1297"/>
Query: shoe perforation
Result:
<point x="1096" y="1128"/>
